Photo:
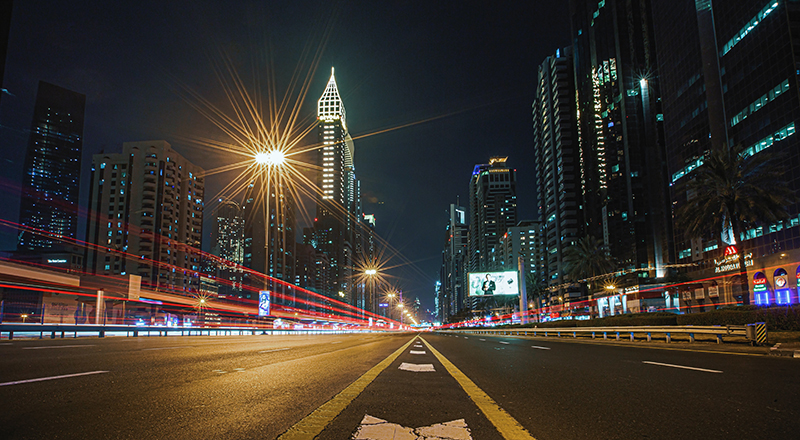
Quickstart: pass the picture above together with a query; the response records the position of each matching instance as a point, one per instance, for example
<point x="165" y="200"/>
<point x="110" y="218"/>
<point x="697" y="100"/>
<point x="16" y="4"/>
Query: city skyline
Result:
<point x="129" y="102"/>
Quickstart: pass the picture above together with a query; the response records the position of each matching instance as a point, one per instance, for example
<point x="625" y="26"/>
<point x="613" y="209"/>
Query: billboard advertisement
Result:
<point x="493" y="283"/>
<point x="263" y="303"/>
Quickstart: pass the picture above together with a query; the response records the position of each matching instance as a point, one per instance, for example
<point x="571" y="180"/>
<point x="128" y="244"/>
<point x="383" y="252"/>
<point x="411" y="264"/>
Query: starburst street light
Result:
<point x="274" y="158"/>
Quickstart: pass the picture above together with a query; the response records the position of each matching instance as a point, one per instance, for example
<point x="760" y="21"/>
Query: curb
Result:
<point x="776" y="350"/>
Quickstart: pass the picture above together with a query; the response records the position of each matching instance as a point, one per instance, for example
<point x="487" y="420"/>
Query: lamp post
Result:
<point x="370" y="273"/>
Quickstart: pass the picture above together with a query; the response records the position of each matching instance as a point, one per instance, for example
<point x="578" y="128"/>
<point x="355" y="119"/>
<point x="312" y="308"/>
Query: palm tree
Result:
<point x="736" y="189"/>
<point x="589" y="257"/>
<point x="535" y="288"/>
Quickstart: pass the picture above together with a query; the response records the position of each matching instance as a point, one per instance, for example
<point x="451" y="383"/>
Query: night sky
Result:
<point x="463" y="73"/>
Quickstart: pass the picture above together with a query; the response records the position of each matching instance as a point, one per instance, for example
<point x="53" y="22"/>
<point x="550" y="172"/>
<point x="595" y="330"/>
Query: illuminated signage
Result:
<point x="781" y="281"/>
<point x="56" y="260"/>
<point x="383" y="305"/>
<point x="493" y="283"/>
<point x="730" y="260"/>
<point x="263" y="303"/>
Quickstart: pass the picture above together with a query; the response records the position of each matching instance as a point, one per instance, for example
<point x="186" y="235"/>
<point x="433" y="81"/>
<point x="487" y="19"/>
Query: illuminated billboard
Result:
<point x="493" y="283"/>
<point x="263" y="303"/>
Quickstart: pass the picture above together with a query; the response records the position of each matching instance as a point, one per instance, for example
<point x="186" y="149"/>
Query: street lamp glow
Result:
<point x="611" y="287"/>
<point x="270" y="158"/>
<point x="370" y="271"/>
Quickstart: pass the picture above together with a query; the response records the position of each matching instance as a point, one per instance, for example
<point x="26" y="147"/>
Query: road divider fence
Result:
<point x="73" y="330"/>
<point x="755" y="333"/>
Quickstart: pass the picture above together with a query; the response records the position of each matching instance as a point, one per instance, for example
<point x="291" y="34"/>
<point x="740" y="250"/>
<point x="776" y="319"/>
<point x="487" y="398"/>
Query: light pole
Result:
<point x="370" y="273"/>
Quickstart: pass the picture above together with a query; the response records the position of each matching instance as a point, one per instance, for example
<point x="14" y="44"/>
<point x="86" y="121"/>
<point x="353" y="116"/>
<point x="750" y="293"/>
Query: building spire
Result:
<point x="330" y="106"/>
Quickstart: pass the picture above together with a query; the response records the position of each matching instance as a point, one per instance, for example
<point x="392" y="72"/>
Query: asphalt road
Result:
<point x="243" y="387"/>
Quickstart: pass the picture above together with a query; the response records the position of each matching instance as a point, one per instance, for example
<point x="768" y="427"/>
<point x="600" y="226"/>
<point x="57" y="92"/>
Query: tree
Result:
<point x="589" y="257"/>
<point x="535" y="288"/>
<point x="735" y="189"/>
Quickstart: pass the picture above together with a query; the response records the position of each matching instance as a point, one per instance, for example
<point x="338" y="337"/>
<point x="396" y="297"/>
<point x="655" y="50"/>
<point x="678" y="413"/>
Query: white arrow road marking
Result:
<point x="373" y="428"/>
<point x="57" y="346"/>
<point x="682" y="367"/>
<point x="416" y="352"/>
<point x="417" y="368"/>
<point x="51" y="378"/>
<point x="484" y="340"/>
<point x="540" y="348"/>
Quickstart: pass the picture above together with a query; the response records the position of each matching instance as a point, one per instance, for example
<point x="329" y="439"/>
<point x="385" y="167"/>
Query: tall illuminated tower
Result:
<point x="52" y="168"/>
<point x="338" y="203"/>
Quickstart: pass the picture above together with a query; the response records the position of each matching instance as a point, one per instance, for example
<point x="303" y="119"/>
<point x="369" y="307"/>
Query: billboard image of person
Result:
<point x="263" y="303"/>
<point x="488" y="285"/>
<point x="493" y="283"/>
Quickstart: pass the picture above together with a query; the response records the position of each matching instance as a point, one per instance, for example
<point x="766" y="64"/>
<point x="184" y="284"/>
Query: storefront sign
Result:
<point x="730" y="260"/>
<point x="699" y="293"/>
<point x="713" y="292"/>
<point x="781" y="281"/>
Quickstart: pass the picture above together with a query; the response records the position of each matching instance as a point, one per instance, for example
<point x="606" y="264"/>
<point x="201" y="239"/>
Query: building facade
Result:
<point x="729" y="77"/>
<point x="452" y="290"/>
<point x="558" y="159"/>
<point x="51" y="180"/>
<point x="493" y="209"/>
<point x="623" y="165"/>
<point x="339" y="199"/>
<point x="146" y="216"/>
<point x="227" y="244"/>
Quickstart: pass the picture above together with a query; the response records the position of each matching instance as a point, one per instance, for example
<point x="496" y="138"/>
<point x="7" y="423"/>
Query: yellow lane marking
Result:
<point x="314" y="423"/>
<point x="508" y="426"/>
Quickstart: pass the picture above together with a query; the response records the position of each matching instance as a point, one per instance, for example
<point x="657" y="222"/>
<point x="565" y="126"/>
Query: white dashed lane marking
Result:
<point x="484" y="340"/>
<point x="540" y="348"/>
<point x="705" y="370"/>
<point x="274" y="350"/>
<point x="503" y="342"/>
<point x="40" y="379"/>
<point x="57" y="346"/>
<point x="416" y="352"/>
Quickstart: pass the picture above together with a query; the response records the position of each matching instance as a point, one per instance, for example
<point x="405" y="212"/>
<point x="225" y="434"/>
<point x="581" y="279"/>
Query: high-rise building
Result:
<point x="558" y="162"/>
<point x="493" y="209"/>
<point x="6" y="8"/>
<point x="227" y="243"/>
<point x="453" y="288"/>
<point x="50" y="186"/>
<point x="523" y="240"/>
<point x="269" y="231"/>
<point x="623" y="165"/>
<point x="146" y="216"/>
<point x="338" y="202"/>
<point x="730" y="76"/>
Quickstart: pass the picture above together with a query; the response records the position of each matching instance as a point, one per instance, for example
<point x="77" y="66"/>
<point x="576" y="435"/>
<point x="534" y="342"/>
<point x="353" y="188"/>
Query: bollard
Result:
<point x="592" y="335"/>
<point x="632" y="339"/>
<point x="649" y="337"/>
<point x="10" y="335"/>
<point x="719" y="339"/>
<point x="617" y="336"/>
<point x="691" y="337"/>
<point x="668" y="338"/>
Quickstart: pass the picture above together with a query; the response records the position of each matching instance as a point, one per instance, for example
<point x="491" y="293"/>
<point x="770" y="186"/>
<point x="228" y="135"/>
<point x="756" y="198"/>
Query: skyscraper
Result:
<point x="227" y="243"/>
<point x="558" y="162"/>
<point x="50" y="186"/>
<point x="269" y="245"/>
<point x="493" y="209"/>
<point x="453" y="288"/>
<point x="623" y="164"/>
<point x="146" y="216"/>
<point x="338" y="202"/>
<point x="732" y="79"/>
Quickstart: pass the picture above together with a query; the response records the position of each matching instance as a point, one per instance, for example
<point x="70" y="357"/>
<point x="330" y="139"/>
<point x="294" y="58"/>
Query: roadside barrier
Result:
<point x="755" y="333"/>
<point x="150" y="330"/>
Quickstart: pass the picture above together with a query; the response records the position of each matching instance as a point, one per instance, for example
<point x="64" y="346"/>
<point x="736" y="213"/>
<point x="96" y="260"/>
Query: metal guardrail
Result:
<point x="756" y="333"/>
<point x="149" y="330"/>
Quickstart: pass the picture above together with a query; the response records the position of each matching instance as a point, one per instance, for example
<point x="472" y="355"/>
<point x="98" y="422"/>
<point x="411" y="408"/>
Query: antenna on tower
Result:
<point x="331" y="70"/>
